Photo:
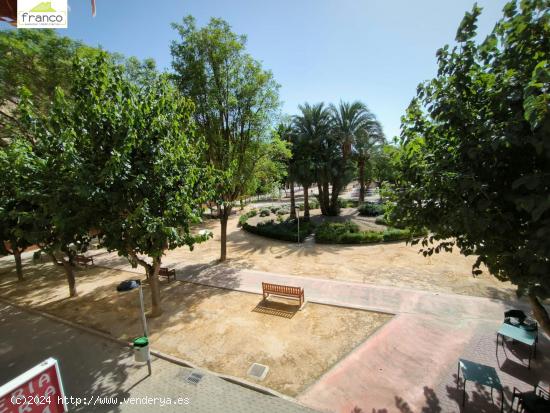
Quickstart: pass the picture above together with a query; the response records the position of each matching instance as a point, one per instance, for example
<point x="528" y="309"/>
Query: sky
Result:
<point x="376" y="51"/>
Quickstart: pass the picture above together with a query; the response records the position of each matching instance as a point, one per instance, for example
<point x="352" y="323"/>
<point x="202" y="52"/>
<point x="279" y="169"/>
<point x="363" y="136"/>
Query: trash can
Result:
<point x="141" y="349"/>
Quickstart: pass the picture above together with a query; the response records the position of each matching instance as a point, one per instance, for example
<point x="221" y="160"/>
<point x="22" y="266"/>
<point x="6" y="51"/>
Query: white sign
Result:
<point x="39" y="14"/>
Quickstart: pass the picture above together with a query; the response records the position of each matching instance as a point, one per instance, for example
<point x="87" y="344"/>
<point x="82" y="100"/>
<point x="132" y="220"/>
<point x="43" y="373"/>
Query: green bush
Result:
<point x="331" y="232"/>
<point x="265" y="212"/>
<point x="244" y="217"/>
<point x="370" y="209"/>
<point x="284" y="231"/>
<point x="381" y="221"/>
<point x="37" y="255"/>
<point x="312" y="202"/>
<point x="283" y="211"/>
<point x="395" y="234"/>
<point x="274" y="208"/>
<point x="363" y="237"/>
<point x="347" y="203"/>
<point x="349" y="233"/>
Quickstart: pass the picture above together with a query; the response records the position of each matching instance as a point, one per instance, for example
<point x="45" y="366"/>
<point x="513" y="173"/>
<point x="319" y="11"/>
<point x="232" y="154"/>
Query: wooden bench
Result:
<point x="165" y="272"/>
<point x="83" y="260"/>
<point x="283" y="291"/>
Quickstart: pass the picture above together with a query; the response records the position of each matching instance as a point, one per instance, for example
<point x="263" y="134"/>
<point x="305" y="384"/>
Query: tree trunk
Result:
<point x="334" y="208"/>
<point x="69" y="272"/>
<point x="540" y="313"/>
<point x="361" y="180"/>
<point x="224" y="217"/>
<point x="326" y="198"/>
<point x="18" y="265"/>
<point x="320" y="198"/>
<point x="306" y="203"/>
<point x="292" y="201"/>
<point x="153" y="276"/>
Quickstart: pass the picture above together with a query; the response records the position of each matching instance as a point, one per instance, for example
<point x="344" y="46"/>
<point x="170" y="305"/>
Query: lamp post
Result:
<point x="143" y="321"/>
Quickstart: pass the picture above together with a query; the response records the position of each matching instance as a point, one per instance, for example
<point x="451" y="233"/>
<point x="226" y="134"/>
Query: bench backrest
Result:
<point x="282" y="289"/>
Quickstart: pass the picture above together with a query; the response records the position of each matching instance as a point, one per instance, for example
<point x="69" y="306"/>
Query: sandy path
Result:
<point x="392" y="264"/>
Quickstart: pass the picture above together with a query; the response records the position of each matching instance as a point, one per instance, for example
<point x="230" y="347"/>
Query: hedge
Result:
<point x="349" y="233"/>
<point x="284" y="231"/>
<point x="370" y="209"/>
<point x="347" y="203"/>
<point x="244" y="217"/>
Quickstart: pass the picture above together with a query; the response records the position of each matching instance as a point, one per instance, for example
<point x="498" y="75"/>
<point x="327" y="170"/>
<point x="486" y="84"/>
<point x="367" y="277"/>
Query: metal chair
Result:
<point x="534" y="401"/>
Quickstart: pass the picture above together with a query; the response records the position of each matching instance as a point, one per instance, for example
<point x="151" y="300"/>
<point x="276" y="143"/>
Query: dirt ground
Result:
<point x="223" y="330"/>
<point x="393" y="264"/>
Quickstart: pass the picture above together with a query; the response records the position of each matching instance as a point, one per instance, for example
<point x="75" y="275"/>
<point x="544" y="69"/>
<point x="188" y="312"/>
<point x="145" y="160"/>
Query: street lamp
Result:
<point x="128" y="286"/>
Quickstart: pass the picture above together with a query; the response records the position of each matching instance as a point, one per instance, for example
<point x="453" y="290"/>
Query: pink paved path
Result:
<point x="409" y="365"/>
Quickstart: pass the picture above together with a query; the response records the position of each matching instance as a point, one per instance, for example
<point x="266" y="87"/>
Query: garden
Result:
<point x="364" y="224"/>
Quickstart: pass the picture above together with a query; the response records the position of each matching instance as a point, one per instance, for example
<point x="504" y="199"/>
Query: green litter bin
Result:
<point x="141" y="349"/>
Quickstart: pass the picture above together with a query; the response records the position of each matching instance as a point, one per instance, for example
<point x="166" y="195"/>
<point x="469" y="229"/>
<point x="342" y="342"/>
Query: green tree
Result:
<point x="301" y="164"/>
<point x="149" y="182"/>
<point x="235" y="100"/>
<point x="40" y="60"/>
<point x="17" y="211"/>
<point x="62" y="209"/>
<point x="475" y="165"/>
<point x="362" y="131"/>
<point x="317" y="129"/>
<point x="271" y="168"/>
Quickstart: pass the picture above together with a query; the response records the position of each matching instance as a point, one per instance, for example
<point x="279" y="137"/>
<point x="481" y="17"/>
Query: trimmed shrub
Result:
<point x="283" y="211"/>
<point x="284" y="231"/>
<point x="395" y="234"/>
<point x="331" y="232"/>
<point x="313" y="203"/>
<point x="370" y="209"/>
<point x="363" y="237"/>
<point x="349" y="233"/>
<point x="244" y="217"/>
<point x="274" y="208"/>
<point x="265" y="212"/>
<point x="347" y="203"/>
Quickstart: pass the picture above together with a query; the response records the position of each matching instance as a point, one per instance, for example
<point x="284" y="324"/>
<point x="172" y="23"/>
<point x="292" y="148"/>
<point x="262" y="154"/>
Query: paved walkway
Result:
<point x="408" y="365"/>
<point x="104" y="373"/>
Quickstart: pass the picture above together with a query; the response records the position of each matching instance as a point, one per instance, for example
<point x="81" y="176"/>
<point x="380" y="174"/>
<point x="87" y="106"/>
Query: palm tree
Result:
<point x="370" y="137"/>
<point x="359" y="131"/>
<point x="312" y="130"/>
<point x="349" y="121"/>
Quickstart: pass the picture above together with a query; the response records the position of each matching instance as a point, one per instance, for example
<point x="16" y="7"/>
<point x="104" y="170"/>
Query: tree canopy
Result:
<point x="235" y="101"/>
<point x="475" y="165"/>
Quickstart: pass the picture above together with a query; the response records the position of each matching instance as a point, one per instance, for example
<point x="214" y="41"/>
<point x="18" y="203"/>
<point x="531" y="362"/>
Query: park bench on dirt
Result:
<point x="283" y="291"/>
<point x="165" y="272"/>
<point x="83" y="260"/>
